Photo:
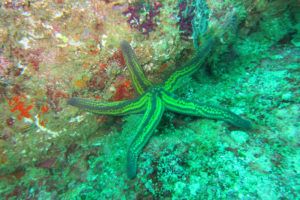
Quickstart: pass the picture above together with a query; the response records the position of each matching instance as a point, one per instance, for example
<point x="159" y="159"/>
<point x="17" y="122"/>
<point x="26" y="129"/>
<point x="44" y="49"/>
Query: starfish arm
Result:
<point x="140" y="82"/>
<point x="151" y="119"/>
<point x="116" y="108"/>
<point x="195" y="109"/>
<point x="190" y="67"/>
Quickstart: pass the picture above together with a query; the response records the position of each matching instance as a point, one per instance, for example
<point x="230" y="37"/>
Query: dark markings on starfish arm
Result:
<point x="202" y="110"/>
<point x="140" y="82"/>
<point x="151" y="119"/>
<point x="116" y="108"/>
<point x="190" y="67"/>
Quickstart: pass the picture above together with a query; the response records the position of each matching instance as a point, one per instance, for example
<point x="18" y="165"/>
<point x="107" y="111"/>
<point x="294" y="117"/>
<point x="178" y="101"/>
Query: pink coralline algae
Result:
<point x="4" y="65"/>
<point x="46" y="164"/>
<point x="54" y="97"/>
<point x="143" y="24"/>
<point x="186" y="15"/>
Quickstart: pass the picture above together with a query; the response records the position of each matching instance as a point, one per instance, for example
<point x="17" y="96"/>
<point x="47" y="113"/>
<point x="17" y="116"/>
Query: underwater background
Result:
<point x="51" y="51"/>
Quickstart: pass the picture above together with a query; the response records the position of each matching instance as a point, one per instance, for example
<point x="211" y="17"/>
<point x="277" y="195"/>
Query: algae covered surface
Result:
<point x="53" y="50"/>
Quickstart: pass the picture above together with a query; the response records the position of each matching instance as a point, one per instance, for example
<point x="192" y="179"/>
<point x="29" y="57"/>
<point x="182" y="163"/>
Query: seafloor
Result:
<point x="53" y="50"/>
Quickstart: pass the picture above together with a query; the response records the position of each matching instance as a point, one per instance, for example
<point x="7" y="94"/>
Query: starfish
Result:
<point x="154" y="100"/>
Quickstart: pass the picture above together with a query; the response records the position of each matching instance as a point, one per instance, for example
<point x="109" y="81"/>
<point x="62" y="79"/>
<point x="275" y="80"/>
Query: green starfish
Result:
<point x="154" y="100"/>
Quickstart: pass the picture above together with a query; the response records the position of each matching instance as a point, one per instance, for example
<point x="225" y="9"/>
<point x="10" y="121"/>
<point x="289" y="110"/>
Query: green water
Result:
<point x="245" y="69"/>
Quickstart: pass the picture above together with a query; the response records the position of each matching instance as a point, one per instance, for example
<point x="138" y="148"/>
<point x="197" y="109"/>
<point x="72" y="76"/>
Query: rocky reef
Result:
<point x="53" y="50"/>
